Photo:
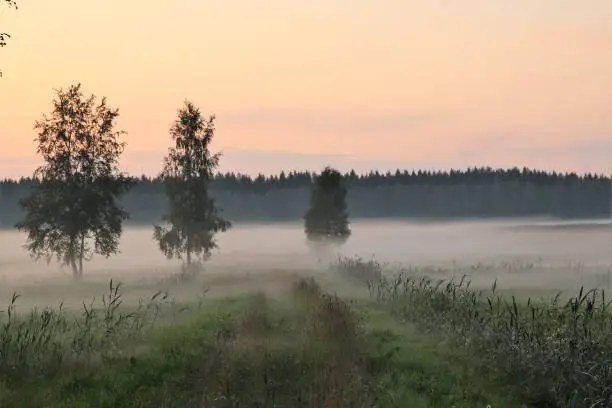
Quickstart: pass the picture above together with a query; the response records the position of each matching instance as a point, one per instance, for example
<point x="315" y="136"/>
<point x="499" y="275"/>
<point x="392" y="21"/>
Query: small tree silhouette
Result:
<point x="326" y="221"/>
<point x="193" y="216"/>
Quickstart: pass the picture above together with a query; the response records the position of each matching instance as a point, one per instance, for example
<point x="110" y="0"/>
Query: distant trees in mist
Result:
<point x="326" y="220"/>
<point x="476" y="192"/>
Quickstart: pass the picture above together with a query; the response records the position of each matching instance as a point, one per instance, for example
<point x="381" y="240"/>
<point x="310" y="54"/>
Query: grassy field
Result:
<point x="411" y="343"/>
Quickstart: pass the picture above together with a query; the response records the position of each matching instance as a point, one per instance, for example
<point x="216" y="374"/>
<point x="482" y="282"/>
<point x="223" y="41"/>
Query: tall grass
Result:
<point x="306" y="354"/>
<point x="550" y="353"/>
<point x="44" y="341"/>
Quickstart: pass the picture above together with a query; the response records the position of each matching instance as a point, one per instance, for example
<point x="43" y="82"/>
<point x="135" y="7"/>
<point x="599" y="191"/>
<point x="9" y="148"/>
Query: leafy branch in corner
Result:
<point x="5" y="36"/>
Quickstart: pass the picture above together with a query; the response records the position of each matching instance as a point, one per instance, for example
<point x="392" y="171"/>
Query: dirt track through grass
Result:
<point x="253" y="351"/>
<point x="303" y="349"/>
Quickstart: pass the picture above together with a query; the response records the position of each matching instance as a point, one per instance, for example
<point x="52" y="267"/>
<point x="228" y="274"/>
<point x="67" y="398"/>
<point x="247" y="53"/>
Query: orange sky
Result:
<point x="298" y="84"/>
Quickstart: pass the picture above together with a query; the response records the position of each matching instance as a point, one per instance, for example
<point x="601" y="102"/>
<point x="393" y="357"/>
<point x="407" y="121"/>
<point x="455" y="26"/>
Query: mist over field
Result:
<point x="529" y="256"/>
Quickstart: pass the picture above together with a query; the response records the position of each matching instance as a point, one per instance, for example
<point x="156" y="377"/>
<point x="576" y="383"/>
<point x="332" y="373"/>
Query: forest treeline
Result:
<point x="477" y="192"/>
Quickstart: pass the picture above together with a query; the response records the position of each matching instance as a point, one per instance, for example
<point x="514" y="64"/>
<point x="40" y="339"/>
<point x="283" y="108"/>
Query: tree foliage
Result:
<point x="326" y="221"/>
<point x="73" y="212"/>
<point x="193" y="216"/>
<point x="5" y="36"/>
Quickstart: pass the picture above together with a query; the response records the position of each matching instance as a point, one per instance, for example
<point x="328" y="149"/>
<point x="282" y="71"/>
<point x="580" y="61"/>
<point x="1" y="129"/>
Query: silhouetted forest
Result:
<point x="478" y="192"/>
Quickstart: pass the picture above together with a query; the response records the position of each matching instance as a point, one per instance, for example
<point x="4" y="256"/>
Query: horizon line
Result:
<point x="383" y="172"/>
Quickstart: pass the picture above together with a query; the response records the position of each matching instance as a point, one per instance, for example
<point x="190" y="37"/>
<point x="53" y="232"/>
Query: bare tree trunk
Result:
<point x="72" y="256"/>
<point x="188" y="251"/>
<point x="81" y="255"/>
<point x="75" y="269"/>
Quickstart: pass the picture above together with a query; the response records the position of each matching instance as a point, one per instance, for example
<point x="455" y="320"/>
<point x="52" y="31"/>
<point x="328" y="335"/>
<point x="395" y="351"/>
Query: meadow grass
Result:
<point x="414" y="343"/>
<point x="547" y="353"/>
<point x="305" y="349"/>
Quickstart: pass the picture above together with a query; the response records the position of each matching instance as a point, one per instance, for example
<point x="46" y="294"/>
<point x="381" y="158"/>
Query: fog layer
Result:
<point x="528" y="256"/>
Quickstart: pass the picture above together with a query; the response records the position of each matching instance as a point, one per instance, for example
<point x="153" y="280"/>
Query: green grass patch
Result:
<point x="549" y="353"/>
<point x="413" y="369"/>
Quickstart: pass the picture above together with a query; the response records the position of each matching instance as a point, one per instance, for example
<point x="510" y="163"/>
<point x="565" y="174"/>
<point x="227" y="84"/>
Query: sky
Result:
<point x="302" y="84"/>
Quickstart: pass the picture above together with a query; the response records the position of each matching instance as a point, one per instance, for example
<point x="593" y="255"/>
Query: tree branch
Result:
<point x="5" y="36"/>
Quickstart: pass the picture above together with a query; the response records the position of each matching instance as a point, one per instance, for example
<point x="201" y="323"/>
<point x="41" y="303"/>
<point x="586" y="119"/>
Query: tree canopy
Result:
<point x="189" y="167"/>
<point x="73" y="212"/>
<point x="327" y="218"/>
